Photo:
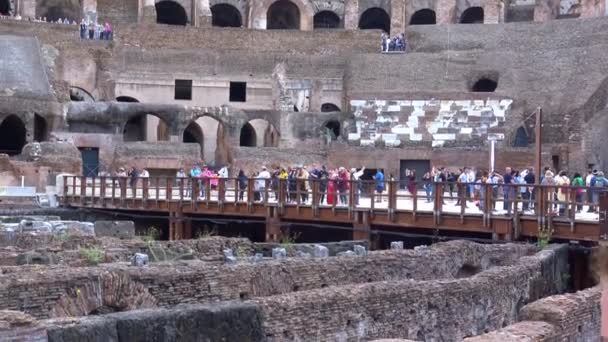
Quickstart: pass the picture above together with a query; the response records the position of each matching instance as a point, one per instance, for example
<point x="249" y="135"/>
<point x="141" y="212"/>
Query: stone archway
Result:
<point x="126" y="99"/>
<point x="209" y="132"/>
<point x="329" y="107"/>
<point x="146" y="127"/>
<point x="54" y="10"/>
<point x="326" y="20"/>
<point x="283" y="15"/>
<point x="248" y="138"/>
<point x="41" y="129"/>
<point x="170" y="13"/>
<point x="375" y="18"/>
<point x="110" y="292"/>
<point x="424" y="16"/>
<point x="472" y="15"/>
<point x="194" y="134"/>
<point x="226" y="15"/>
<point x="80" y="95"/>
<point x="13" y="135"/>
<point x="332" y="130"/>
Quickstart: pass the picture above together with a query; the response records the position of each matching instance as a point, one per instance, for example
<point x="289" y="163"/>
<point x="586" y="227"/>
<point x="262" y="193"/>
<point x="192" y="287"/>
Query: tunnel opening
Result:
<point x="41" y="129"/>
<point x="126" y="99"/>
<point x="194" y="134"/>
<point x="472" y="15"/>
<point x="332" y="128"/>
<point x="375" y="19"/>
<point x="5" y="7"/>
<point x="146" y="127"/>
<point x="170" y="13"/>
<point x="423" y="17"/>
<point x="248" y="137"/>
<point x="12" y="135"/>
<point x="225" y="15"/>
<point x="283" y="15"/>
<point x="484" y="85"/>
<point x="326" y="20"/>
<point x="329" y="107"/>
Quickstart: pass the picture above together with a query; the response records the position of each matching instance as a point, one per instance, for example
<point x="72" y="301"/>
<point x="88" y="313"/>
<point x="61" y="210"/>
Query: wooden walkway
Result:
<point x="280" y="201"/>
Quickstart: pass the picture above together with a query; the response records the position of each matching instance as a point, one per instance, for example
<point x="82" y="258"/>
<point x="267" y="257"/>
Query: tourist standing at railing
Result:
<point x="323" y="183"/>
<point x="195" y="174"/>
<point x="530" y="179"/>
<point x="520" y="182"/>
<point x="411" y="182"/>
<point x="578" y="183"/>
<point x="462" y="186"/>
<point x="292" y="184"/>
<point x="588" y="178"/>
<point x="451" y="180"/>
<point x="343" y="185"/>
<point x="357" y="185"/>
<point x="379" y="178"/>
<point x="508" y="193"/>
<point x="427" y="184"/>
<point x="242" y="180"/>
<point x="331" y="188"/>
<point x="83" y="29"/>
<point x="598" y="183"/>
<point x="495" y="180"/>
<point x="262" y="181"/>
<point x="133" y="174"/>
<point x="562" y="195"/>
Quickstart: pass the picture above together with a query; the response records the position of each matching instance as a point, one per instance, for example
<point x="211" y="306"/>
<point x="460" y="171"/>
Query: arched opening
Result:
<point x="225" y="15"/>
<point x="248" y="137"/>
<point x="170" y="13"/>
<point x="423" y="17"/>
<point x="194" y="134"/>
<point x="80" y="95"/>
<point x="375" y="19"/>
<point x="54" y="10"/>
<point x="484" y="85"/>
<point x="12" y="135"/>
<point x="326" y="20"/>
<point x="329" y="107"/>
<point x="472" y="15"/>
<point x="5" y="7"/>
<point x="126" y="99"/>
<point x="146" y="127"/>
<point x="40" y="128"/>
<point x="265" y="133"/>
<point x="332" y="130"/>
<point x="283" y="15"/>
<point x="211" y="138"/>
<point x="521" y="138"/>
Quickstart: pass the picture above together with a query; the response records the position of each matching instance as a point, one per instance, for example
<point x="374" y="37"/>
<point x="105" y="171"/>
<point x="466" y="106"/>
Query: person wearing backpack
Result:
<point x="598" y="183"/>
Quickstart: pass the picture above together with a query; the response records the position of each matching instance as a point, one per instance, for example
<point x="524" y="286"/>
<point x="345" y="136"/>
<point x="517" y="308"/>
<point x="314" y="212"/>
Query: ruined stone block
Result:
<point x="116" y="229"/>
<point x="279" y="253"/>
<point x="396" y="245"/>
<point x="301" y="254"/>
<point x="35" y="226"/>
<point x="321" y="251"/>
<point x="140" y="260"/>
<point x="258" y="257"/>
<point x="360" y="250"/>
<point x="347" y="253"/>
<point x="35" y="258"/>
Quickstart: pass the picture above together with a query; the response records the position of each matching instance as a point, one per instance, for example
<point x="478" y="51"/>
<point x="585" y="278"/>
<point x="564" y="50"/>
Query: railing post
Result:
<point x="315" y="196"/>
<point x="65" y="190"/>
<point x="250" y="194"/>
<point x="414" y="201"/>
<point x="168" y="190"/>
<point x="144" y="192"/>
<point x="392" y="200"/>
<point x="102" y="190"/>
<point x="83" y="189"/>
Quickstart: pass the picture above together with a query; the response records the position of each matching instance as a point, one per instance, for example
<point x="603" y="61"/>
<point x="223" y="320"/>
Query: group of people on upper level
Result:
<point x="93" y="30"/>
<point x="395" y="44"/>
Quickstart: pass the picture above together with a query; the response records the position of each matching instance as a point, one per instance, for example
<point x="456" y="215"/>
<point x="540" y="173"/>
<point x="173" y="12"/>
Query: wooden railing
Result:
<point x="541" y="201"/>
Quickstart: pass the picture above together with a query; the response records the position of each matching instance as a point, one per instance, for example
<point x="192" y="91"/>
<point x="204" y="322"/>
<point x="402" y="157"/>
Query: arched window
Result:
<point x="80" y="95"/>
<point x="248" y="136"/>
<point x="472" y="15"/>
<point x="170" y="13"/>
<point x="423" y="17"/>
<point x="329" y="107"/>
<point x="375" y="18"/>
<point x="54" y="10"/>
<point x="484" y="85"/>
<point x="326" y="20"/>
<point x="521" y="138"/>
<point x="283" y="15"/>
<point x="225" y="15"/>
<point x="146" y="127"/>
<point x="5" y="7"/>
<point x="126" y="99"/>
<point x="194" y="134"/>
<point x="12" y="135"/>
<point x="208" y="132"/>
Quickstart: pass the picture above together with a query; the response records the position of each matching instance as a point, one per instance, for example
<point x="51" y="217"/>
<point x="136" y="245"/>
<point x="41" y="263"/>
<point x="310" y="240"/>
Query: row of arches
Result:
<point x="285" y="15"/>
<point x="13" y="133"/>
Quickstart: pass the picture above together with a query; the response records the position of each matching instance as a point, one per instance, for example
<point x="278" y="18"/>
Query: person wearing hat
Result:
<point x="598" y="183"/>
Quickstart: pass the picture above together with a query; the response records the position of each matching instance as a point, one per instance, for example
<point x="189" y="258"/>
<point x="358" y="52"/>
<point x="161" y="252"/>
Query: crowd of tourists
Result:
<point x="88" y="29"/>
<point x="395" y="44"/>
<point x="336" y="184"/>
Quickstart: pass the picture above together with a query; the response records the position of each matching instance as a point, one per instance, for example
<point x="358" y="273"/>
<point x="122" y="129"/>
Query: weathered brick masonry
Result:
<point x="201" y="282"/>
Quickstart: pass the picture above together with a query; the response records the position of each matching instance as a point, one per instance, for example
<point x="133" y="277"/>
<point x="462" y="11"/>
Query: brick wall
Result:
<point x="446" y="310"/>
<point x="202" y="282"/>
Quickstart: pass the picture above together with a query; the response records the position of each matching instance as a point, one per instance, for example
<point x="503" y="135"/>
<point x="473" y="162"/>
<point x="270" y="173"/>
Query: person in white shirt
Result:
<point x="223" y="172"/>
<point x="356" y="176"/>
<point x="260" y="182"/>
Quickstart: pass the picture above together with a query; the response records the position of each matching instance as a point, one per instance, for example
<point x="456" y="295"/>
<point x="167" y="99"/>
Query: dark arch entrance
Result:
<point x="225" y="15"/>
<point x="170" y="13"/>
<point x="5" y="7"/>
<point x="326" y="20"/>
<point x="40" y="128"/>
<point x="484" y="85"/>
<point x="248" y="136"/>
<point x="145" y="127"/>
<point x="283" y="15"/>
<point x="521" y="138"/>
<point x="12" y="135"/>
<point x="194" y="134"/>
<point x="54" y="10"/>
<point x="126" y="99"/>
<point x="375" y="18"/>
<point x="329" y="107"/>
<point x="472" y="15"/>
<point x="423" y="17"/>
<point x="332" y="128"/>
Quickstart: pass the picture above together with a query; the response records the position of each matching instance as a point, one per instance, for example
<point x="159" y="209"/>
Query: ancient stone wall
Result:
<point x="201" y="282"/>
<point x="446" y="310"/>
<point x="567" y="317"/>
